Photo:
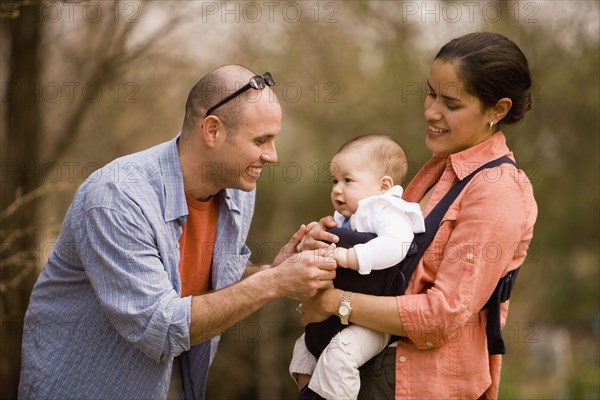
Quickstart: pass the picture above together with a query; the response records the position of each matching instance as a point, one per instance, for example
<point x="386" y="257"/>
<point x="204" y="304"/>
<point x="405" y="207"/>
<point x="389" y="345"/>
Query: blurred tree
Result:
<point x="34" y="145"/>
<point x="20" y="154"/>
<point x="558" y="144"/>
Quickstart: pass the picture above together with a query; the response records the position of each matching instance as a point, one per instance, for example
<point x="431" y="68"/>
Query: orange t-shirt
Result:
<point x="196" y="245"/>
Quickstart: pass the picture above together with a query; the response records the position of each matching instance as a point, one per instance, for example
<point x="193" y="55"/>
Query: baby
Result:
<point x="366" y="196"/>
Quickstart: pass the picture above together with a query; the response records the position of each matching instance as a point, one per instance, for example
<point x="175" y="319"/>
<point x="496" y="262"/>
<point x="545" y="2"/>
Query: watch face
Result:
<point x="344" y="310"/>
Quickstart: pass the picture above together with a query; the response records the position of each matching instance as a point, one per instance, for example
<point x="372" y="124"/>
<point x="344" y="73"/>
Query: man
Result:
<point x="147" y="259"/>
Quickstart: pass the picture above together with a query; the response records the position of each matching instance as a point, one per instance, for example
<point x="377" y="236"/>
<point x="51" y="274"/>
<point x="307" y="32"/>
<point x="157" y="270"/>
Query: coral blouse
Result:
<point x="484" y="235"/>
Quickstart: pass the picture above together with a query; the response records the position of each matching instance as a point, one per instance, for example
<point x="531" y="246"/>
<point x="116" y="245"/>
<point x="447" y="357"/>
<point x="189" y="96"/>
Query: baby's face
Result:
<point x="354" y="178"/>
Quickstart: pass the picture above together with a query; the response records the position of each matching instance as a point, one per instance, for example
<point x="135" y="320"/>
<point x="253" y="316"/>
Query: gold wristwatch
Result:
<point x="345" y="308"/>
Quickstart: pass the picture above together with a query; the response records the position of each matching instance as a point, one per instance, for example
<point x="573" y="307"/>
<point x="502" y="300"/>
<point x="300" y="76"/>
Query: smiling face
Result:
<point x="355" y="176"/>
<point x="456" y="119"/>
<point x="251" y="147"/>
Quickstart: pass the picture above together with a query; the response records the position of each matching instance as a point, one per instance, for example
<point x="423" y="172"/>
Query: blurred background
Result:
<point x="86" y="82"/>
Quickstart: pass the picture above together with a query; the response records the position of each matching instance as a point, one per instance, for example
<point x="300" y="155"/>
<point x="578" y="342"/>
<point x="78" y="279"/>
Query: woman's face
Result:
<point x="456" y="119"/>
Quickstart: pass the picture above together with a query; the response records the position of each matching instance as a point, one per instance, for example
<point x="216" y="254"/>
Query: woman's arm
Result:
<point x="379" y="313"/>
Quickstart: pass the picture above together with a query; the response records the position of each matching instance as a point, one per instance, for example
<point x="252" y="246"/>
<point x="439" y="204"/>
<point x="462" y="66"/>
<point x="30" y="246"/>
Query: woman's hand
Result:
<point x="319" y="307"/>
<point x="317" y="235"/>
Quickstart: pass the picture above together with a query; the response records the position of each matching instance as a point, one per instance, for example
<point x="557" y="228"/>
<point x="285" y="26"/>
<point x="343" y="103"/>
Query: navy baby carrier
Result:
<point x="393" y="281"/>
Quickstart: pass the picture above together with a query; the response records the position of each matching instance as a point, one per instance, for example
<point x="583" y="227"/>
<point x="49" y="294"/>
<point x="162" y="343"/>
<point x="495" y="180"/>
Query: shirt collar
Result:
<point x="174" y="192"/>
<point x="175" y="204"/>
<point x="467" y="161"/>
<point x="231" y="198"/>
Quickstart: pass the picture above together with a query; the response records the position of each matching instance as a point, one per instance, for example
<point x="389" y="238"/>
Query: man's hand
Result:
<point x="298" y="277"/>
<point x="301" y="276"/>
<point x="316" y="235"/>
<point x="291" y="248"/>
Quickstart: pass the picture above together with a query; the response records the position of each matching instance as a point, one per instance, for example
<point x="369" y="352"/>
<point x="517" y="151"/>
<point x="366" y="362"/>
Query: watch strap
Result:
<point x="345" y="302"/>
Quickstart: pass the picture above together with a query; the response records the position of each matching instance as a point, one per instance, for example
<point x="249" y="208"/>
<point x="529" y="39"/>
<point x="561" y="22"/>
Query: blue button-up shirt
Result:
<point x="105" y="318"/>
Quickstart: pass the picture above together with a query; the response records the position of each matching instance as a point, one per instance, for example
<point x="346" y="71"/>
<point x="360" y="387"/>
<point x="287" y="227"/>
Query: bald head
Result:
<point x="216" y="85"/>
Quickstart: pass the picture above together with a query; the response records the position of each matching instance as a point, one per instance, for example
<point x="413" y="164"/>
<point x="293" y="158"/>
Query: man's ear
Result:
<point x="210" y="130"/>
<point x="501" y="108"/>
<point x="386" y="183"/>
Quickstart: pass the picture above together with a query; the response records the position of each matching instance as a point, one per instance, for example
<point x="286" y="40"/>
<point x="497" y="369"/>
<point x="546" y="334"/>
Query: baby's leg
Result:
<point x="302" y="364"/>
<point x="336" y="374"/>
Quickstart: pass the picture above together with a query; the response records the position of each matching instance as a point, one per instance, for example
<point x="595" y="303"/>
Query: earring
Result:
<point x="491" y="125"/>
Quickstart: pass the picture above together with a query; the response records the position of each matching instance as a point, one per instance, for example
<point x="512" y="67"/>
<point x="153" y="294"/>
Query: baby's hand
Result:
<point x="339" y="255"/>
<point x="345" y="258"/>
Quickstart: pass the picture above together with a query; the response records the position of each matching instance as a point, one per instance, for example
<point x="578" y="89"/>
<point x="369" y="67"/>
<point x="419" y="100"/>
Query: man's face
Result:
<point x="243" y="155"/>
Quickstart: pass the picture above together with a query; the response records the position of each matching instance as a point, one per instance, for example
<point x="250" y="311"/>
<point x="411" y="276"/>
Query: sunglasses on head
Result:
<point x="256" y="82"/>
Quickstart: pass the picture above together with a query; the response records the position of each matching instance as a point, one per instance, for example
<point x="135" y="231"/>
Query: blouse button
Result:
<point x="402" y="359"/>
<point x="470" y="256"/>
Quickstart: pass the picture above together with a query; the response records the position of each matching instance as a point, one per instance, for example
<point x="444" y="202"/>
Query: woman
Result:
<point x="478" y="83"/>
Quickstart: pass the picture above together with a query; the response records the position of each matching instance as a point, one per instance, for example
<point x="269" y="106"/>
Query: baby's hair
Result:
<point x="388" y="155"/>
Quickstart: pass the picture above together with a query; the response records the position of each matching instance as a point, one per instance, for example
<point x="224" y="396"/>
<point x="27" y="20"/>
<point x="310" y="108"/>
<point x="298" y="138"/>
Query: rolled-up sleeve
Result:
<point x="474" y="247"/>
<point x="124" y="266"/>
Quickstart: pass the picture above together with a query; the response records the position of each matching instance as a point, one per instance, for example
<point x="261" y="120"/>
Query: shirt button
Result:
<point x="470" y="256"/>
<point x="429" y="344"/>
<point x="402" y="359"/>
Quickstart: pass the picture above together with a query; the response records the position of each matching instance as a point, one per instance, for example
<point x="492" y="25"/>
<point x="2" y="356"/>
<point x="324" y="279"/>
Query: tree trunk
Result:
<point x="19" y="253"/>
